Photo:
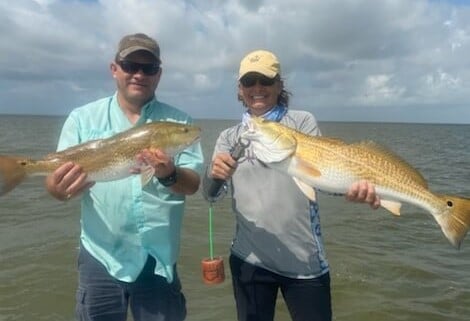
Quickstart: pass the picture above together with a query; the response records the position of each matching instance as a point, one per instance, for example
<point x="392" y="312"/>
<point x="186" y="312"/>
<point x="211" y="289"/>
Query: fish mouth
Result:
<point x="250" y="127"/>
<point x="194" y="140"/>
<point x="248" y="135"/>
<point x="197" y="137"/>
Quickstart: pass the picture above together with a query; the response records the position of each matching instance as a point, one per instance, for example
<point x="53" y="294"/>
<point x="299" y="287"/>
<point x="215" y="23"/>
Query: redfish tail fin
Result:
<point x="456" y="221"/>
<point x="12" y="173"/>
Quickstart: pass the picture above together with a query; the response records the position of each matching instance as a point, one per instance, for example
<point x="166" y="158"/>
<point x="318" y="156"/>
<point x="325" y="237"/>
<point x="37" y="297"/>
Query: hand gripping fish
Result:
<point x="332" y="165"/>
<point x="104" y="159"/>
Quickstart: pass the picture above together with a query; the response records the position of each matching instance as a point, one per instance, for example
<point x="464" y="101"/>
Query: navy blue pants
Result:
<point x="256" y="289"/>
<point x="100" y="297"/>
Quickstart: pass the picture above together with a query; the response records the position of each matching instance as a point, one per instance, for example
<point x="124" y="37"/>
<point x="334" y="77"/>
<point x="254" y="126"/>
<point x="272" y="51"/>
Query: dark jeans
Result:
<point x="100" y="297"/>
<point x="255" y="291"/>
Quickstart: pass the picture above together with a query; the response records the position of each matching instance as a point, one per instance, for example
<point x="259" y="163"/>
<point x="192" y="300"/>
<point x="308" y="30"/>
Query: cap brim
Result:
<point x="264" y="71"/>
<point x="123" y="54"/>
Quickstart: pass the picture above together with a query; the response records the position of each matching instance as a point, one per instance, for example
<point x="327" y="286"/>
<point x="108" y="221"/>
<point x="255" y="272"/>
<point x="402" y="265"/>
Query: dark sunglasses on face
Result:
<point x="251" y="80"/>
<point x="131" y="67"/>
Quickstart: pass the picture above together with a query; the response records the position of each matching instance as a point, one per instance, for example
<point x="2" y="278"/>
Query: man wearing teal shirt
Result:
<point x="130" y="235"/>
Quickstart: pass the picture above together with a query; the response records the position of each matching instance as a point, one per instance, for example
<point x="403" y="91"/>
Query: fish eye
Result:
<point x="450" y="204"/>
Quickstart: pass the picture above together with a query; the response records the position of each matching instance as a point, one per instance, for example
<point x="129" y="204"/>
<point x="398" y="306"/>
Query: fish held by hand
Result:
<point x="106" y="159"/>
<point x="332" y="165"/>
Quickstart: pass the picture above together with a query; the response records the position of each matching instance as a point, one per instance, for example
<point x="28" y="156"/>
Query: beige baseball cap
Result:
<point x="136" y="42"/>
<point x="260" y="61"/>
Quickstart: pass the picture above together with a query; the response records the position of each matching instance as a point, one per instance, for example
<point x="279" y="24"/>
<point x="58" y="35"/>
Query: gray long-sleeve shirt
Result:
<point x="277" y="227"/>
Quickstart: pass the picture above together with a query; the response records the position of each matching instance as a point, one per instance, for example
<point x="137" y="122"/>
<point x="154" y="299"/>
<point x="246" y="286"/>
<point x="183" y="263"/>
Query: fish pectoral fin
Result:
<point x="146" y="174"/>
<point x="392" y="206"/>
<point x="306" y="168"/>
<point x="308" y="190"/>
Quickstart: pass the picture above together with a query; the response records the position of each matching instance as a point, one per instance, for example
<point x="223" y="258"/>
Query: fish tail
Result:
<point x="455" y="220"/>
<point x="12" y="173"/>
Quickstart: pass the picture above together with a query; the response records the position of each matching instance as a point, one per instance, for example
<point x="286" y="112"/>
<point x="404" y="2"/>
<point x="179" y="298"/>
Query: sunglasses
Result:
<point x="131" y="67"/>
<point x="251" y="80"/>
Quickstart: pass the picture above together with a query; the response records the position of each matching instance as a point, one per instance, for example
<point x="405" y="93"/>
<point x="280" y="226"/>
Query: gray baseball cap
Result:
<point x="136" y="42"/>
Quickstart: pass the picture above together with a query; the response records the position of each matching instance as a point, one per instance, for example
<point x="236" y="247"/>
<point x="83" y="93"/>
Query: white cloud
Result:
<point x="442" y="80"/>
<point x="379" y="89"/>
<point x="338" y="56"/>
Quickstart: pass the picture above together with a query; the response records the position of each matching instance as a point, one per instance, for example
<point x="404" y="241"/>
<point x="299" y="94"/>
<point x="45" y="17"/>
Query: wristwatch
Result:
<point x="169" y="180"/>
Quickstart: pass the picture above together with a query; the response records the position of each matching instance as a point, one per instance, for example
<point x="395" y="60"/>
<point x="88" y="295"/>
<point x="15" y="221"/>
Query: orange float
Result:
<point x="213" y="271"/>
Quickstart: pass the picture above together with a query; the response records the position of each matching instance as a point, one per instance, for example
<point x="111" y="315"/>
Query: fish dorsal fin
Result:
<point x="306" y="189"/>
<point x="146" y="174"/>
<point x="392" y="206"/>
<point x="414" y="174"/>
<point x="331" y="140"/>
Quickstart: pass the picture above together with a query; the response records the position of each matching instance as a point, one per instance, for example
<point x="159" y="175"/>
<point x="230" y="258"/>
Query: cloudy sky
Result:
<point x="344" y="60"/>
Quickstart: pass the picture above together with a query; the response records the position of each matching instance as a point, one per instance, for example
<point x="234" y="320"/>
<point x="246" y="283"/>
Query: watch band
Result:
<point x="169" y="180"/>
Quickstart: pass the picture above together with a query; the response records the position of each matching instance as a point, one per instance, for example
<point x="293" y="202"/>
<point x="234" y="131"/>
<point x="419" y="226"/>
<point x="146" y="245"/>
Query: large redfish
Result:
<point x="333" y="165"/>
<point x="104" y="159"/>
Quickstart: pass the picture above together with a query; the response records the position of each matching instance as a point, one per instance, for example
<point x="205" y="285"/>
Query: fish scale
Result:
<point x="332" y="165"/>
<point x="103" y="159"/>
<point x="363" y="161"/>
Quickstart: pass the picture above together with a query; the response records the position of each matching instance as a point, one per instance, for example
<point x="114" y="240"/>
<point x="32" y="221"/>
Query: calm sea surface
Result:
<point x="383" y="268"/>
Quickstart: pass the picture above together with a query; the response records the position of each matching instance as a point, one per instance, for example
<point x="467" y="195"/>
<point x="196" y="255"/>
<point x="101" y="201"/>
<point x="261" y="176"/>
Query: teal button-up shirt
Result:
<point x="121" y="222"/>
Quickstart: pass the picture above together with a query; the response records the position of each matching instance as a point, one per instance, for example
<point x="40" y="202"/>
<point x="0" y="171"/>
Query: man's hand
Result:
<point x="363" y="192"/>
<point x="187" y="182"/>
<point x="67" y="181"/>
<point x="161" y="162"/>
<point x="223" y="166"/>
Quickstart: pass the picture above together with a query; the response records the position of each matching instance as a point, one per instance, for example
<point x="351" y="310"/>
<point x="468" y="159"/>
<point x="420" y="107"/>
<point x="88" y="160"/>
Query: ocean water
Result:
<point x="383" y="268"/>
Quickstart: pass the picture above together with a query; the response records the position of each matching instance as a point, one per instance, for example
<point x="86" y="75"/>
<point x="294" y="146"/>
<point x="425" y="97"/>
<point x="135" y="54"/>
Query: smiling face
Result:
<point x="258" y="93"/>
<point x="136" y="88"/>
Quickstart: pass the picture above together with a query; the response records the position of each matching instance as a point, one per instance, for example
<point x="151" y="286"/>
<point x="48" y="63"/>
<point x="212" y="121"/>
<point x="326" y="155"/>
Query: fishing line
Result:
<point x="213" y="267"/>
<point x="211" y="240"/>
